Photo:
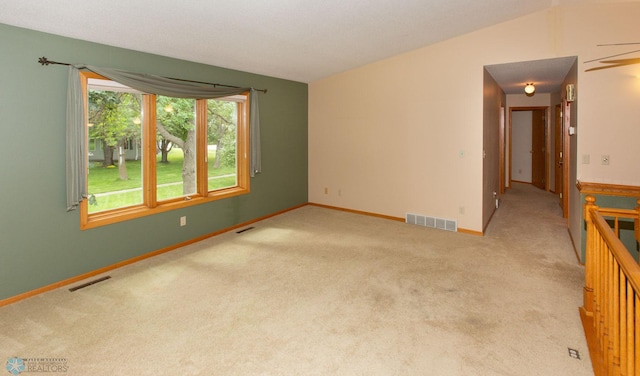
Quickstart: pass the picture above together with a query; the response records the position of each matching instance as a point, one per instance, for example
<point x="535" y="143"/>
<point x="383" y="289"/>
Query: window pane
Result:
<point x="222" y="117"/>
<point x="115" y="131"/>
<point x="176" y="147"/>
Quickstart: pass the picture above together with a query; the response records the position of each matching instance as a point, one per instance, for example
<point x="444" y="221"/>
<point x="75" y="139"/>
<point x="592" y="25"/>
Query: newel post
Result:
<point x="589" y="206"/>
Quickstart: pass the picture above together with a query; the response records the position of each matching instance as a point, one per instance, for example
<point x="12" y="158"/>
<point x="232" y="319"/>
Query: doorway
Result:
<point x="550" y="77"/>
<point x="529" y="160"/>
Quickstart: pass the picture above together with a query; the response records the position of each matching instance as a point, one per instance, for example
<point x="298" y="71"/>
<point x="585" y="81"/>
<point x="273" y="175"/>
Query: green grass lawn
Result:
<point x="115" y="193"/>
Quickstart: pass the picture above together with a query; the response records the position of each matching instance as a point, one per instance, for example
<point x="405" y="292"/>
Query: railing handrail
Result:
<point x="611" y="305"/>
<point x="627" y="263"/>
<point x="618" y="214"/>
<point x="621" y="213"/>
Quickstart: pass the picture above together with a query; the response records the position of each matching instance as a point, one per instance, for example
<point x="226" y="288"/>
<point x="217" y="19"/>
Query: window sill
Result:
<point x="89" y="221"/>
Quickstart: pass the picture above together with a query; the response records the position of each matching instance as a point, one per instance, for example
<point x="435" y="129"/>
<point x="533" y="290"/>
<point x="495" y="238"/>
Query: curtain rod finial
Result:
<point x="44" y="61"/>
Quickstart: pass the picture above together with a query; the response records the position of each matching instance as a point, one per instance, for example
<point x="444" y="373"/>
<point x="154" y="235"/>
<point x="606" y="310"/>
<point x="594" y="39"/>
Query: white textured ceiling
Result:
<point x="300" y="40"/>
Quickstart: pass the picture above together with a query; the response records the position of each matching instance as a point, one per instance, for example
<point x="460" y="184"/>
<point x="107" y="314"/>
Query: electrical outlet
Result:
<point x="326" y="190"/>
<point x="605" y="159"/>
<point x="183" y="221"/>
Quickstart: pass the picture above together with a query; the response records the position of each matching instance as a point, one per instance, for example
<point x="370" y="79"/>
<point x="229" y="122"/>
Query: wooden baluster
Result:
<point x="631" y="359"/>
<point x="633" y="313"/>
<point x="637" y="334"/>
<point x="608" y="314"/>
<point x="636" y="223"/>
<point x="588" y="296"/>
<point x="602" y="293"/>
<point x="597" y="294"/>
<point x="594" y="283"/>
<point x="599" y="289"/>
<point x="623" y="324"/>
<point x="615" y="318"/>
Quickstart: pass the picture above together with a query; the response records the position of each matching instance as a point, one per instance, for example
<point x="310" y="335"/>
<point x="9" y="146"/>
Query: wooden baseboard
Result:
<point x="470" y="232"/>
<point x="399" y="219"/>
<point x="120" y="264"/>
<point x="357" y="212"/>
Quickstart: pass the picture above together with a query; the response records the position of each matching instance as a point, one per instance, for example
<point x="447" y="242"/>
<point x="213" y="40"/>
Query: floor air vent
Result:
<point x="89" y="283"/>
<point x="432" y="222"/>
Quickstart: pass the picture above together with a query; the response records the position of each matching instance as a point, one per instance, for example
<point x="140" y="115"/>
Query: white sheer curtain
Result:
<point x="151" y="84"/>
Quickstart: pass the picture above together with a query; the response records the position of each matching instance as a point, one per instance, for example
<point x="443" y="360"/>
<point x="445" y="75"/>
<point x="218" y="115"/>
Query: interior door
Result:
<point x="558" y="170"/>
<point x="538" y="148"/>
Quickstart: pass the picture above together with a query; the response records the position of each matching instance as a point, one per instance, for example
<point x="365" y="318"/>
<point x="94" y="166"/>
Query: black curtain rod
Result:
<point x="44" y="61"/>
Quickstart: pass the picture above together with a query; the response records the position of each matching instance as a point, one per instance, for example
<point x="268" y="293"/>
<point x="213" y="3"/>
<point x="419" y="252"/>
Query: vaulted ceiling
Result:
<point x="291" y="39"/>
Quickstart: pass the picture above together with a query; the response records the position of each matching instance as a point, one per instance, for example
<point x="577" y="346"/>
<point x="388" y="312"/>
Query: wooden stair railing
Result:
<point x="611" y="309"/>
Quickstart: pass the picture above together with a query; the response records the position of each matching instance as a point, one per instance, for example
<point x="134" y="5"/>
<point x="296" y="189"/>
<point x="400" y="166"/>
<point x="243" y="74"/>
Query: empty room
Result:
<point x="340" y="188"/>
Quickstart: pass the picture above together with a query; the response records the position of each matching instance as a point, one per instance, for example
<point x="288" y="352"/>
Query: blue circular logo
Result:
<point x="15" y="365"/>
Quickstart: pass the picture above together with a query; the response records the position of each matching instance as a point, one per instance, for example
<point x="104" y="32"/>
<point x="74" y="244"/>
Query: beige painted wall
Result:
<point x="406" y="134"/>
<point x="609" y="111"/>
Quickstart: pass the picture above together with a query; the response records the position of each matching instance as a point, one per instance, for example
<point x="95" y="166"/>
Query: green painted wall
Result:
<point x="41" y="243"/>
<point x="627" y="235"/>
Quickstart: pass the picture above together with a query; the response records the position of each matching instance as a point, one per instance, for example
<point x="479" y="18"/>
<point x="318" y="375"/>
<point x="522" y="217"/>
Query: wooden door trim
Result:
<point x="557" y="148"/>
<point x="566" y="156"/>
<point x="501" y="147"/>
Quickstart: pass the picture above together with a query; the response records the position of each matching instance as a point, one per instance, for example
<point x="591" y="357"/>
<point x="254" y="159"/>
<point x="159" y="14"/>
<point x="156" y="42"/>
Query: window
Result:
<point x="153" y="153"/>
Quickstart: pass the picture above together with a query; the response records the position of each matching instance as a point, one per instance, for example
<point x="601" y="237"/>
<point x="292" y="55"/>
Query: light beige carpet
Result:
<point x="323" y="292"/>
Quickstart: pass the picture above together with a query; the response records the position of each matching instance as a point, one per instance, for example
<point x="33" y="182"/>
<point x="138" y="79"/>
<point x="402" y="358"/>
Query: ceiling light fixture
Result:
<point x="529" y="89"/>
